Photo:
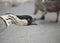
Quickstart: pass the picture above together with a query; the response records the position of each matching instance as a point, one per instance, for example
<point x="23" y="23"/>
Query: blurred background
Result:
<point x="12" y="2"/>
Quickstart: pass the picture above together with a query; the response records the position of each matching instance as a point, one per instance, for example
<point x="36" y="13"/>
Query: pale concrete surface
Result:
<point x="45" y="32"/>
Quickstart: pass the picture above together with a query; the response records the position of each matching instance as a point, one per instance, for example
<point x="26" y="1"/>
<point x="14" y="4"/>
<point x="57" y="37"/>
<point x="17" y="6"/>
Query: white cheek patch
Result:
<point x="7" y="20"/>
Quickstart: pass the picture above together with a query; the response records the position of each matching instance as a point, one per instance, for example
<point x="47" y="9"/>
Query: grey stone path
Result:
<point x="45" y="32"/>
